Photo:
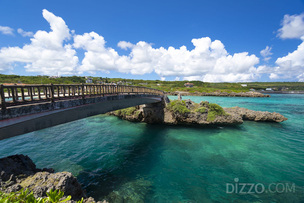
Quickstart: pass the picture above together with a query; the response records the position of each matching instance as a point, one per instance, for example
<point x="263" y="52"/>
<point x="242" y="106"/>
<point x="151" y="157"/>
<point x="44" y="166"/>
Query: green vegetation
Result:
<point x="41" y="79"/>
<point x="178" y="107"/>
<point x="215" y="110"/>
<point x="126" y="112"/>
<point x="201" y="110"/>
<point x="168" y="86"/>
<point x="24" y="196"/>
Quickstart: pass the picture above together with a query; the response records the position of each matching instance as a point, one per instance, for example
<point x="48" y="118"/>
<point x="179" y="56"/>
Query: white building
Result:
<point x="89" y="80"/>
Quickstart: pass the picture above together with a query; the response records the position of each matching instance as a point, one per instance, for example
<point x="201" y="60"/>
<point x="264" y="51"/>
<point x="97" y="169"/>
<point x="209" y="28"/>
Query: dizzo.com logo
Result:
<point x="258" y="188"/>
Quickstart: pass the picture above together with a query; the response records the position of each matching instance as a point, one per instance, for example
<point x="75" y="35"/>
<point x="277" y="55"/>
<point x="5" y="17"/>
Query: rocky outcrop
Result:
<point x="221" y="94"/>
<point x="190" y="113"/>
<point x="19" y="171"/>
<point x="251" y="115"/>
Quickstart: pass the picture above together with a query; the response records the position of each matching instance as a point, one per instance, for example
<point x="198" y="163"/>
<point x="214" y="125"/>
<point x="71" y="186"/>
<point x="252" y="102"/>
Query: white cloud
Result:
<point x="24" y="33"/>
<point x="177" y="79"/>
<point x="6" y="30"/>
<point x="162" y="78"/>
<point x="97" y="56"/>
<point x="266" y="53"/>
<point x="292" y="27"/>
<point x="125" y="45"/>
<point x="47" y="53"/>
<point x="273" y="76"/>
<point x="50" y="53"/>
<point x="291" y="66"/>
<point x="207" y="57"/>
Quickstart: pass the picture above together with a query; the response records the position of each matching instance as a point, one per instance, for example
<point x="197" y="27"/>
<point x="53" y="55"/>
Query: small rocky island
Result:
<point x="181" y="112"/>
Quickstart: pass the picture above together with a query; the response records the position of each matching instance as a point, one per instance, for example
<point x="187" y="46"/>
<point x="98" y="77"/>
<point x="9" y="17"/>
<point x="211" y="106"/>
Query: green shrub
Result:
<point x="204" y="103"/>
<point x="178" y="107"/>
<point x="201" y="110"/>
<point x="215" y="110"/>
<point x="128" y="111"/>
<point x="25" y="196"/>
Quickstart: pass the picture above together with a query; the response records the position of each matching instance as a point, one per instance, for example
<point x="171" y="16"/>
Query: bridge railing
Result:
<point x="14" y="95"/>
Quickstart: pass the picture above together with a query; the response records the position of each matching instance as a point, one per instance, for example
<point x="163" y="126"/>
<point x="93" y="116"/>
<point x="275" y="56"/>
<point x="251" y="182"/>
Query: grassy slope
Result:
<point x="168" y="86"/>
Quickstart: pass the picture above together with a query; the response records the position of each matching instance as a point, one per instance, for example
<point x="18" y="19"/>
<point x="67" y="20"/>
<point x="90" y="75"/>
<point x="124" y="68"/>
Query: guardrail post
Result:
<point x="22" y="94"/>
<point x="52" y="92"/>
<point x="82" y="91"/>
<point x="2" y="95"/>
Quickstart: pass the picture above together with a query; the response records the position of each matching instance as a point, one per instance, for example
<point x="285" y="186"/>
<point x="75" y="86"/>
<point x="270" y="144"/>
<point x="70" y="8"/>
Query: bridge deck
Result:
<point x="20" y="115"/>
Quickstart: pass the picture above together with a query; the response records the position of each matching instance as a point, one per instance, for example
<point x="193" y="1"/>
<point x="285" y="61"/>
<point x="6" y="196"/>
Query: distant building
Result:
<point x="143" y="83"/>
<point x="244" y="85"/>
<point x="188" y="84"/>
<point x="252" y="90"/>
<point x="89" y="80"/>
<point x="54" y="77"/>
<point x="269" y="89"/>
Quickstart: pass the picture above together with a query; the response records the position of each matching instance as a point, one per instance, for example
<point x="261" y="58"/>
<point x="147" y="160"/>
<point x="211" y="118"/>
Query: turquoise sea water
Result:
<point x="157" y="163"/>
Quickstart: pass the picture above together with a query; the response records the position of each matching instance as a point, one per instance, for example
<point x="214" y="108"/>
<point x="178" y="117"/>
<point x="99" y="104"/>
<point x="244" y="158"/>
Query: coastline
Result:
<point x="219" y="94"/>
<point x="281" y="92"/>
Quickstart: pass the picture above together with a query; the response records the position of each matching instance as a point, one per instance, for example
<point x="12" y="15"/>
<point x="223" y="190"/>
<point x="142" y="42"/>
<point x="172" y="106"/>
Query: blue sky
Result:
<point x="212" y="41"/>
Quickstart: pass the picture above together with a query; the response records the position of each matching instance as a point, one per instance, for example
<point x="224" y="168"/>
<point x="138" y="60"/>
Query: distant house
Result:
<point x="89" y="80"/>
<point x="188" y="84"/>
<point x="269" y="89"/>
<point x="244" y="85"/>
<point x="252" y="90"/>
<point x="54" y="77"/>
<point x="143" y="83"/>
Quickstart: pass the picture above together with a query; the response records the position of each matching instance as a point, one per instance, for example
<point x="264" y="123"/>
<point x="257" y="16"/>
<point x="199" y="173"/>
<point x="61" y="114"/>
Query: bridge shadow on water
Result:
<point x="136" y="162"/>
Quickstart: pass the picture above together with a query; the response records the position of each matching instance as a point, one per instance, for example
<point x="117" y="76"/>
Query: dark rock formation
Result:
<point x="251" y="115"/>
<point x="19" y="171"/>
<point x="16" y="168"/>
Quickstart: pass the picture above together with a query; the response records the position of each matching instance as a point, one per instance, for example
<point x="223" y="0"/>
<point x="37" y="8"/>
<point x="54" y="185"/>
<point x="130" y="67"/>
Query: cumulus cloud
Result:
<point x="50" y="53"/>
<point x="47" y="53"/>
<point x="24" y="33"/>
<point x="6" y="30"/>
<point x="97" y="56"/>
<point x="266" y="53"/>
<point x="292" y="27"/>
<point x="291" y="66"/>
<point x="125" y="45"/>
<point x="208" y="61"/>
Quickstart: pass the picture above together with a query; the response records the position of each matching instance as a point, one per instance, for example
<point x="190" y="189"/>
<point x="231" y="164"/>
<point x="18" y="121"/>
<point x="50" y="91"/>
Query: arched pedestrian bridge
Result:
<point x="26" y="108"/>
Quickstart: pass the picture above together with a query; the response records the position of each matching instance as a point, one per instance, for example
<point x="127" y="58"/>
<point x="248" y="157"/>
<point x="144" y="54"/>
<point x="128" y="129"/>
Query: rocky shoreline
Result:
<point x="220" y="94"/>
<point x="190" y="113"/>
<point x="19" y="171"/>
